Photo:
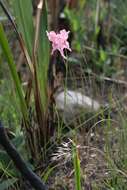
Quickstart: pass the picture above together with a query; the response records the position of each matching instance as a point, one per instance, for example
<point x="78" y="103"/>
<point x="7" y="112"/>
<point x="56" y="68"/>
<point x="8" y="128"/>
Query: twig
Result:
<point x="20" y="164"/>
<point x="108" y="53"/>
<point x="117" y="81"/>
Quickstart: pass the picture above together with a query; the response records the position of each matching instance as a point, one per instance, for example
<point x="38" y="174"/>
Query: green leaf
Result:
<point x="48" y="173"/>
<point x="103" y="55"/>
<point x="7" y="183"/>
<point x="24" y="20"/>
<point x="18" y="141"/>
<point x="97" y="30"/>
<point x="43" y="56"/>
<point x="8" y="55"/>
<point x="4" y="159"/>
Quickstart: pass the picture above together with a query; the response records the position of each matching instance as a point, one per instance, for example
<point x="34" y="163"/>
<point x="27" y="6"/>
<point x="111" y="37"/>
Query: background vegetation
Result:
<point x="89" y="151"/>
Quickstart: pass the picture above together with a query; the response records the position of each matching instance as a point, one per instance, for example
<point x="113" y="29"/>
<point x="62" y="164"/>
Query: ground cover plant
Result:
<point x="63" y="95"/>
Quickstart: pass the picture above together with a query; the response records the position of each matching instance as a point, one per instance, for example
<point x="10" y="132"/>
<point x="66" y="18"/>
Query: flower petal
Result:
<point x="59" y="41"/>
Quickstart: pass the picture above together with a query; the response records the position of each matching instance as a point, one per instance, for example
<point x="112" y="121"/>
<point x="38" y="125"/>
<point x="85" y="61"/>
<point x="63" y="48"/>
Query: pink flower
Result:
<point x="59" y="41"/>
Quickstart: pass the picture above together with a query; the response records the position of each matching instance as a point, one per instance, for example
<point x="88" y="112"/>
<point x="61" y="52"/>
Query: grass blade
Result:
<point x="77" y="168"/>
<point x="43" y="56"/>
<point x="7" y="183"/>
<point x="21" y="42"/>
<point x="8" y="55"/>
<point x="23" y="14"/>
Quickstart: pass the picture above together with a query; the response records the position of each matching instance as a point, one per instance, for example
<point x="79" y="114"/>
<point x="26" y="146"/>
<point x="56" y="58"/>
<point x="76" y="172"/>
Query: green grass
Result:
<point x="77" y="168"/>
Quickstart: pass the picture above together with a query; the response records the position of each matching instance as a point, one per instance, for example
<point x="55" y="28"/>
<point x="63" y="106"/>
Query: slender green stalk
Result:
<point x="8" y="55"/>
<point x="77" y="169"/>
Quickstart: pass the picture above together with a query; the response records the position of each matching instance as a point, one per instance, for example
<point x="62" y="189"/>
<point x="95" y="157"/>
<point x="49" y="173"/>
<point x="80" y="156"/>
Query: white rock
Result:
<point x="70" y="103"/>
